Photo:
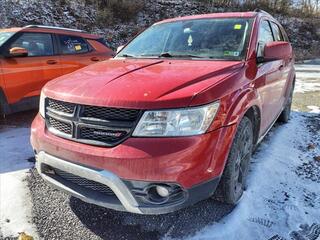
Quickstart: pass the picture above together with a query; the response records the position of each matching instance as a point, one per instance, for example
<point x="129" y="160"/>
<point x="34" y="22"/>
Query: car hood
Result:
<point x="140" y="83"/>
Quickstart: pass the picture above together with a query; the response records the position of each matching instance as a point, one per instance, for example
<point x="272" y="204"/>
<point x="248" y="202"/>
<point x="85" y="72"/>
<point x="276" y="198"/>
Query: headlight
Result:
<point x="176" y="122"/>
<point x="42" y="104"/>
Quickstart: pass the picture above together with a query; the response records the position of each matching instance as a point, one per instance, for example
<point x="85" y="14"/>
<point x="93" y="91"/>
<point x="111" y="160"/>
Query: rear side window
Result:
<point x="73" y="45"/>
<point x="37" y="44"/>
<point x="102" y="41"/>
<point x="276" y="32"/>
<point x="285" y="36"/>
<point x="265" y="36"/>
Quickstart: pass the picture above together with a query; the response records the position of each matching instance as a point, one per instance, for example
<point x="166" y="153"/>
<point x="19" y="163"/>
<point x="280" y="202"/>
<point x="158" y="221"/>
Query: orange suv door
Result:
<point x="76" y="53"/>
<point x="25" y="76"/>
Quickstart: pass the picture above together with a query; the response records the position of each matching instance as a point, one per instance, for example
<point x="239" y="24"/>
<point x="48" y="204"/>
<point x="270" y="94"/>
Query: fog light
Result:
<point x="162" y="191"/>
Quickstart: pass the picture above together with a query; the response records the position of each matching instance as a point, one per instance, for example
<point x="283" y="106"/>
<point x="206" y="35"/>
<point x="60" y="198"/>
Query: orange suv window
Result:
<point x="73" y="45"/>
<point x="37" y="44"/>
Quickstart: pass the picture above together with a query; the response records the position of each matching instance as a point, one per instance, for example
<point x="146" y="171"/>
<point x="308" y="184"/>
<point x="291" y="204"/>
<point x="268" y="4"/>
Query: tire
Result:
<point x="285" y="114"/>
<point x="233" y="181"/>
<point x="3" y="103"/>
<point x="2" y="115"/>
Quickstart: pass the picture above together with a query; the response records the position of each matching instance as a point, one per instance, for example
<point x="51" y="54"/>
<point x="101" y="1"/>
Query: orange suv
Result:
<point x="33" y="55"/>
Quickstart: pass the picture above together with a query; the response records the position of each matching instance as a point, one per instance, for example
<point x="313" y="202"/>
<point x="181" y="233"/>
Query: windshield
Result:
<point x="4" y="36"/>
<point x="222" y="39"/>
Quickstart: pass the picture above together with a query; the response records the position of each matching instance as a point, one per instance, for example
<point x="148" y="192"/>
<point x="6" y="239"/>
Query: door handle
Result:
<point x="52" y="62"/>
<point x="94" y="59"/>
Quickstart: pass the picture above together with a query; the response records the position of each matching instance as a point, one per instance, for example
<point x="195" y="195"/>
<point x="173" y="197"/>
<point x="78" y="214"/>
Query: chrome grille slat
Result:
<point x="60" y="126"/>
<point x="60" y="106"/>
<point x="94" y="125"/>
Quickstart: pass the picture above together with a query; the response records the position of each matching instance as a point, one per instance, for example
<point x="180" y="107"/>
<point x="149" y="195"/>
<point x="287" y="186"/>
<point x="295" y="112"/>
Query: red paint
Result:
<point x="158" y="84"/>
<point x="152" y="159"/>
<point x="277" y="50"/>
<point x="146" y="83"/>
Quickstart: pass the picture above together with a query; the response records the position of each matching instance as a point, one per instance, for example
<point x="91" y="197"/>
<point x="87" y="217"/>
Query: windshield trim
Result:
<point x="185" y="59"/>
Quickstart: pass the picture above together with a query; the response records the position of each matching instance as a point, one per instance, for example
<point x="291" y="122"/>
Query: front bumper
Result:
<point x="188" y="161"/>
<point x="192" y="165"/>
<point x="126" y="194"/>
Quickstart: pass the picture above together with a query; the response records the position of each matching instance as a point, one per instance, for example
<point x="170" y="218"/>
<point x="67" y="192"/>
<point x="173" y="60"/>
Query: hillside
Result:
<point x="120" y="23"/>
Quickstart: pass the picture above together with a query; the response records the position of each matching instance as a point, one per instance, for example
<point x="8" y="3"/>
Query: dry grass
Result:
<point x="301" y="101"/>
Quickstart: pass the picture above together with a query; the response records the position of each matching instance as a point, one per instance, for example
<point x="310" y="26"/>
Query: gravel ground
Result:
<point x="59" y="216"/>
<point x="311" y="169"/>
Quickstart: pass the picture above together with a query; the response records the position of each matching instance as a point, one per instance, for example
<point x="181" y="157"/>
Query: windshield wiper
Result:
<point x="127" y="56"/>
<point x="166" y="55"/>
<point x="169" y="55"/>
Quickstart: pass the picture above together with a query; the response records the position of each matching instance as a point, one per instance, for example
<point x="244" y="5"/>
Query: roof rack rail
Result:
<point x="261" y="11"/>
<point x="52" y="27"/>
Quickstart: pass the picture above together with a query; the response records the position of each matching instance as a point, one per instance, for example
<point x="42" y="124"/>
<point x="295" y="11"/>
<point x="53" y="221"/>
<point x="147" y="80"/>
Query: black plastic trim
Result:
<point x="195" y="194"/>
<point x="23" y="105"/>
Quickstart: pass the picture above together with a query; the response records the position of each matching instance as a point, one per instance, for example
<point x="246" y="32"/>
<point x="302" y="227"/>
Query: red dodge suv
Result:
<point x="172" y="119"/>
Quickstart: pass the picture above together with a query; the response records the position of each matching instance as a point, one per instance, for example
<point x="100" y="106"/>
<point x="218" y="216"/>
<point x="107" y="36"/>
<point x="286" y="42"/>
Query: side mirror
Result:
<point x="18" y="52"/>
<point x="120" y="48"/>
<point x="277" y="50"/>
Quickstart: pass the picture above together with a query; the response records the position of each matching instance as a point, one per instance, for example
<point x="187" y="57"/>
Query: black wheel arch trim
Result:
<point x="4" y="106"/>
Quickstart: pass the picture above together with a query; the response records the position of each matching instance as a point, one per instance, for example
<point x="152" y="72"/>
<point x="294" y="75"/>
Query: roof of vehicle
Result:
<point x="51" y="29"/>
<point x="10" y="29"/>
<point x="250" y="14"/>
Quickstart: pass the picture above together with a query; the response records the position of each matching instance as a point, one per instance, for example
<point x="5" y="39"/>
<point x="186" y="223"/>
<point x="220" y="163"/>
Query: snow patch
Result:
<point x="276" y="201"/>
<point x="307" y="78"/>
<point x="15" y="202"/>
<point x="314" y="109"/>
<point x="306" y="85"/>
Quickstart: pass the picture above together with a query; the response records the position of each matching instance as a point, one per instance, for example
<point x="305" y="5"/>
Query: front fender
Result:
<point x="244" y="101"/>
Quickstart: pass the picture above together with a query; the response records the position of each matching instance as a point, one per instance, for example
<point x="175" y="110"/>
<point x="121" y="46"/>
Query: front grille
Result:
<point x="83" y="182"/>
<point x="60" y="106"/>
<point x="60" y="126"/>
<point x="110" y="113"/>
<point x="94" y="125"/>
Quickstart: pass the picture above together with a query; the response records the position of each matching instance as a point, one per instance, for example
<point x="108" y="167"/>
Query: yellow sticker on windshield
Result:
<point x="237" y="26"/>
<point x="78" y="47"/>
